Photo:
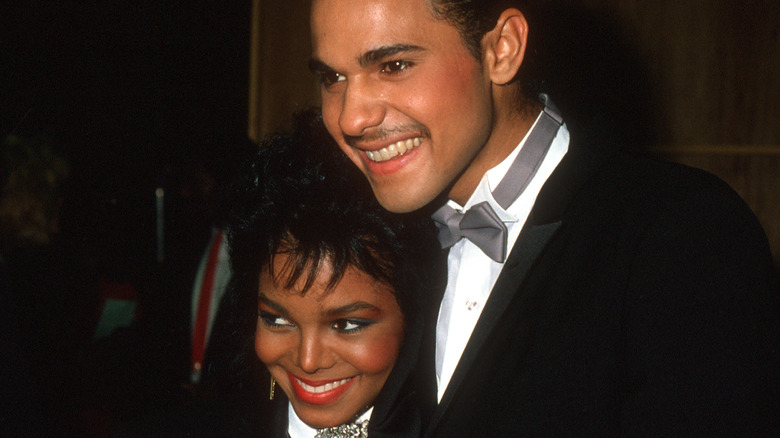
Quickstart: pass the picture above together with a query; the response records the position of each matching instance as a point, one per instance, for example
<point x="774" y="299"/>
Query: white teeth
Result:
<point x="394" y="150"/>
<point x="324" y="388"/>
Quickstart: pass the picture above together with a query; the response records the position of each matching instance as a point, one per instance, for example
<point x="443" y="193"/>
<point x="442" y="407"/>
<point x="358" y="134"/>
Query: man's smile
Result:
<point x="394" y="150"/>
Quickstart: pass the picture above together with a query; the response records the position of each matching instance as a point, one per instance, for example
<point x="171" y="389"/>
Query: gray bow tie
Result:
<point x="480" y="223"/>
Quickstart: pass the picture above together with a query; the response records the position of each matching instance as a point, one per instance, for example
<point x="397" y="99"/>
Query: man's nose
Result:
<point x="362" y="109"/>
<point x="313" y="353"/>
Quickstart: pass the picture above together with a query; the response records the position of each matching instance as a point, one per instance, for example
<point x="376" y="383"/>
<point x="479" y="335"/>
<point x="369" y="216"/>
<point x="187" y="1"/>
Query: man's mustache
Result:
<point x="380" y="134"/>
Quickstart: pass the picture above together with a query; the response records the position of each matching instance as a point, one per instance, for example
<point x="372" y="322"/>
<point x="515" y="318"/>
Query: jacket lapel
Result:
<point x="543" y="223"/>
<point x="529" y="246"/>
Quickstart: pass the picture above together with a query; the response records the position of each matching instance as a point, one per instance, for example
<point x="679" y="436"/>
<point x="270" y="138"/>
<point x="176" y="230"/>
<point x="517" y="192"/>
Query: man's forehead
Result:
<point x="365" y="28"/>
<point x="353" y="3"/>
<point x="376" y="11"/>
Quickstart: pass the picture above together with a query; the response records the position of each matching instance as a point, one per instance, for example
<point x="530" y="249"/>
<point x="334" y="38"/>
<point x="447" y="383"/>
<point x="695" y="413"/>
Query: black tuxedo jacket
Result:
<point x="638" y="300"/>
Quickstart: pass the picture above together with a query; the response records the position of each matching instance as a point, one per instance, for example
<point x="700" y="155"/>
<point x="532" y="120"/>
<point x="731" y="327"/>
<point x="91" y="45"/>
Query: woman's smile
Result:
<point x="319" y="392"/>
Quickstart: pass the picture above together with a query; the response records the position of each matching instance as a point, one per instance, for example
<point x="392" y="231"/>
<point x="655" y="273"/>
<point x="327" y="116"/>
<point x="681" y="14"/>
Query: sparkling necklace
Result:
<point x="357" y="429"/>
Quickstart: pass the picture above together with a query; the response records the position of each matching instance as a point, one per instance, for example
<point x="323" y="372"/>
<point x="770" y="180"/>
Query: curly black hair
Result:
<point x="300" y="195"/>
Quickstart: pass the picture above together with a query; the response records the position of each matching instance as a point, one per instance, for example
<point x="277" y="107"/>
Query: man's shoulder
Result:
<point x="634" y="179"/>
<point x="634" y="201"/>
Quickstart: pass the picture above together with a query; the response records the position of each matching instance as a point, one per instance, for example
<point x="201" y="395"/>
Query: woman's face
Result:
<point x="330" y="352"/>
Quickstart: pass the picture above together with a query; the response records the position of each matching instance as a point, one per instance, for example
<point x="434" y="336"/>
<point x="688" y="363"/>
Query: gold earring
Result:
<point x="273" y="386"/>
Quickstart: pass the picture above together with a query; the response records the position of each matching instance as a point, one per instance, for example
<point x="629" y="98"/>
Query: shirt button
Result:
<point x="471" y="304"/>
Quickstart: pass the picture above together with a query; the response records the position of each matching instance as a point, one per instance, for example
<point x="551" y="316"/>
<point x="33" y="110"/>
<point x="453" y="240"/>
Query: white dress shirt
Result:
<point x="470" y="273"/>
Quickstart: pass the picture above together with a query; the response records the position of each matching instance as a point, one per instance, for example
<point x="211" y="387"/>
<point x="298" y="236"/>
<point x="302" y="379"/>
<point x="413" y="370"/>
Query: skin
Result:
<point x="353" y="331"/>
<point x="390" y="72"/>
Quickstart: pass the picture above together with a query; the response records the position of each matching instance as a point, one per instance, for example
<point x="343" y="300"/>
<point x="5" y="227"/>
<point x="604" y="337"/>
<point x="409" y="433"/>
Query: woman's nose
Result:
<point x="313" y="353"/>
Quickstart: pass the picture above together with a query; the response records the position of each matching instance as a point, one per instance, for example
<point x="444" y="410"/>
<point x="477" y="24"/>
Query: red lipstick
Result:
<point x="318" y="398"/>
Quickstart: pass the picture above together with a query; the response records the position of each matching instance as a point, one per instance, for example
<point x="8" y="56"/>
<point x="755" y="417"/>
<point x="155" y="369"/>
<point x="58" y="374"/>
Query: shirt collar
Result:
<point x="491" y="179"/>
<point x="296" y="428"/>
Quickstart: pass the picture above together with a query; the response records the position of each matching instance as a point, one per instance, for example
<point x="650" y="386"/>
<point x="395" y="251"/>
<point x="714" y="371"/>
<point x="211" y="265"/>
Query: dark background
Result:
<point x="127" y="89"/>
<point x="137" y="95"/>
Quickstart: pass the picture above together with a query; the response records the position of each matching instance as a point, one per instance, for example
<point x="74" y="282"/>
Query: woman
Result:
<point x="339" y="284"/>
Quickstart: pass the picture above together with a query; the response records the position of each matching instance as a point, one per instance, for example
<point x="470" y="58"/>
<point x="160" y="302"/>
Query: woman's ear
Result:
<point x="504" y="46"/>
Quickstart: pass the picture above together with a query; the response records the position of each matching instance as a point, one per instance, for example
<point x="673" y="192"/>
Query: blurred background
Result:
<point x="127" y="88"/>
<point x="120" y="121"/>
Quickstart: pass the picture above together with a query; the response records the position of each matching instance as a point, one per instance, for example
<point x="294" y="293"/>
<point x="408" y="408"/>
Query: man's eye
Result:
<point x="349" y="325"/>
<point x="394" y="67"/>
<point x="273" y="320"/>
<point x="328" y="78"/>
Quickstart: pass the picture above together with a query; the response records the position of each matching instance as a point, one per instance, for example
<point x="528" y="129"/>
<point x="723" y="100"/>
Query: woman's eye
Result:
<point x="394" y="67"/>
<point x="273" y="320"/>
<point x="349" y="325"/>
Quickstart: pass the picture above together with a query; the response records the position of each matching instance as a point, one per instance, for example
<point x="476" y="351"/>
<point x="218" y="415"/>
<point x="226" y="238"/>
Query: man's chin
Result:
<point x="400" y="202"/>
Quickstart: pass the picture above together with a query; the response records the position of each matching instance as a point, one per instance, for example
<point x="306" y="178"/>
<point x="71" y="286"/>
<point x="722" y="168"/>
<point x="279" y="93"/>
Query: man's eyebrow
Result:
<point x="375" y="55"/>
<point x="370" y="57"/>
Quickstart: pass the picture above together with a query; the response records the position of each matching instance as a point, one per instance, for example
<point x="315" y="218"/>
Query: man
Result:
<point x="605" y="294"/>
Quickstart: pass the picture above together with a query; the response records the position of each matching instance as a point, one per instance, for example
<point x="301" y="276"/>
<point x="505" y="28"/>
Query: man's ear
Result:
<point x="504" y="46"/>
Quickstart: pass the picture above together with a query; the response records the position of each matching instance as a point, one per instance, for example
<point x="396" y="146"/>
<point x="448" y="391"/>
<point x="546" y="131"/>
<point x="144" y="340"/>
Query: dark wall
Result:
<point x="127" y="89"/>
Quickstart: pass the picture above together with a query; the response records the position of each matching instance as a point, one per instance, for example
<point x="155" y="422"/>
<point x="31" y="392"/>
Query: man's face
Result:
<point x="401" y="95"/>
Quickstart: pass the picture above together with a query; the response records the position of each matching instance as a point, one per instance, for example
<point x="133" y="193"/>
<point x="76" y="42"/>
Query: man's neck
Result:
<point x="507" y="133"/>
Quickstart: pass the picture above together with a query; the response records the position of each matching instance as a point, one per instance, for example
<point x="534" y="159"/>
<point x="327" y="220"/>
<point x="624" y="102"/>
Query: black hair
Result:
<point x="301" y="196"/>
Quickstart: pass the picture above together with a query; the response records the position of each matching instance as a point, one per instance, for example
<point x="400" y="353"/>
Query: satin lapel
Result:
<point x="426" y="364"/>
<point x="545" y="220"/>
<point x="529" y="246"/>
